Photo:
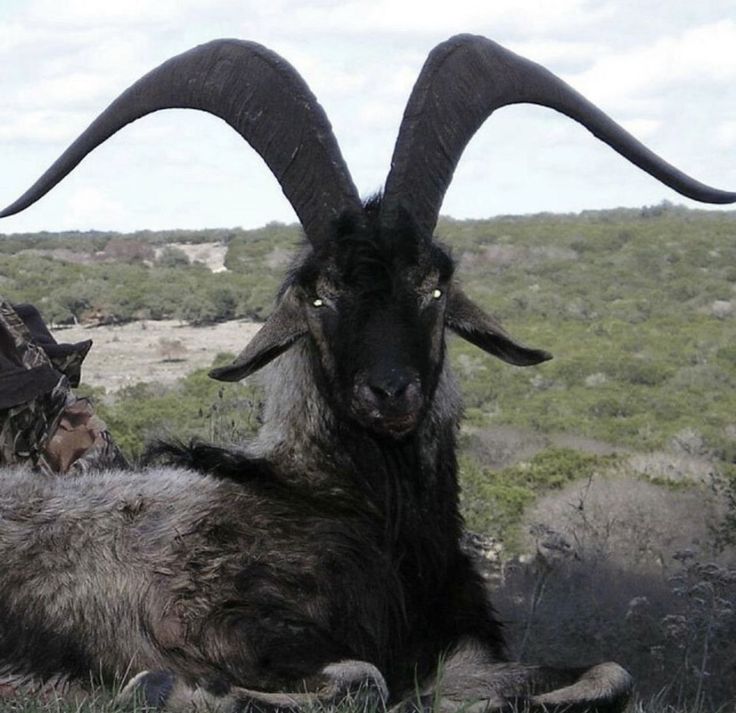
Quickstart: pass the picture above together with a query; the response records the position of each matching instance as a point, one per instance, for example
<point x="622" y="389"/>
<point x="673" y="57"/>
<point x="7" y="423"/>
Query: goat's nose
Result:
<point x="392" y="387"/>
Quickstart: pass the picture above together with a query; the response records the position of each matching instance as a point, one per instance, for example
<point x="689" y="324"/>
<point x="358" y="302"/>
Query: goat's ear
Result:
<point x="469" y="321"/>
<point x="284" y="327"/>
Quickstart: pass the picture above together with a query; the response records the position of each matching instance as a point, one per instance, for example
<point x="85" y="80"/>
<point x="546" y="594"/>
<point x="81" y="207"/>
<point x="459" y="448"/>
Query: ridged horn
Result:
<point x="462" y="82"/>
<point x="257" y="93"/>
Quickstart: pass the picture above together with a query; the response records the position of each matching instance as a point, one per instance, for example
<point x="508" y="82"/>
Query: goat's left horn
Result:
<point x="462" y="82"/>
<point x="263" y="98"/>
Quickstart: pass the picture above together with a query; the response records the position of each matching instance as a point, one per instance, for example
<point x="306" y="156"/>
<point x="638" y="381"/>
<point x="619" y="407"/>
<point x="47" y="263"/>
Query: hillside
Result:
<point x="638" y="308"/>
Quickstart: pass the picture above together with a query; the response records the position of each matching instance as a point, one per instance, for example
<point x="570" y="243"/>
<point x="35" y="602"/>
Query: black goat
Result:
<point x="322" y="560"/>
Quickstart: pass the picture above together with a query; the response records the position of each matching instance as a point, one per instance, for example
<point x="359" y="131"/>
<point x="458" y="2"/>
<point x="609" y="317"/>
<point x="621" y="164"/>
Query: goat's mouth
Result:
<point x="397" y="426"/>
<point x="391" y="425"/>
<point x="388" y="409"/>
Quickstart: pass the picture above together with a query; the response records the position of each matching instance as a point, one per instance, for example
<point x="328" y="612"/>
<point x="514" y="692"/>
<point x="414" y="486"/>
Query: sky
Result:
<point x="665" y="70"/>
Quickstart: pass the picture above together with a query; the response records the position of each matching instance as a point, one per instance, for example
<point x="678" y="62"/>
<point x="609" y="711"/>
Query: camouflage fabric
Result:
<point x="42" y="422"/>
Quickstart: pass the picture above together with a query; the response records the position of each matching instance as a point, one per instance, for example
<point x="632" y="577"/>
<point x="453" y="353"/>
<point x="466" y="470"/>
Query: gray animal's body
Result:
<point x="163" y="570"/>
<point x="322" y="561"/>
<point x="254" y="580"/>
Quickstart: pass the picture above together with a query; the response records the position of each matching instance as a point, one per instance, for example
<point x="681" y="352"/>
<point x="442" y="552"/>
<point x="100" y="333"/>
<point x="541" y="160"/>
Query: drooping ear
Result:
<point x="470" y="322"/>
<point x="284" y="327"/>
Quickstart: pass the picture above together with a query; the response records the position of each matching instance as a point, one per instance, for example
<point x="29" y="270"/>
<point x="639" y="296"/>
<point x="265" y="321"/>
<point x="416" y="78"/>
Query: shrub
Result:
<point x="171" y="256"/>
<point x="493" y="502"/>
<point x="610" y="579"/>
<point x="194" y="407"/>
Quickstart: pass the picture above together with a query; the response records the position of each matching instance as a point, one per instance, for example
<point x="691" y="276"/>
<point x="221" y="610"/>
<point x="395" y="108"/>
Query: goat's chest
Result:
<point x="327" y="579"/>
<point x="386" y="580"/>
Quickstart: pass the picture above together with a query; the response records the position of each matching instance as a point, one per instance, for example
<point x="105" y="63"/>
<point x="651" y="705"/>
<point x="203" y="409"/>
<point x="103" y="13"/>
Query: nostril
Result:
<point x="389" y="389"/>
<point x="377" y="392"/>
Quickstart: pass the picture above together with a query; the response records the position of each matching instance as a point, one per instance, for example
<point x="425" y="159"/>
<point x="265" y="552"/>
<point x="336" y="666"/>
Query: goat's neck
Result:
<point x="401" y="487"/>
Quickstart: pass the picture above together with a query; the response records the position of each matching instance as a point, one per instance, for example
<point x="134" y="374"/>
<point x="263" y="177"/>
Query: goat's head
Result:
<point x="373" y="292"/>
<point x="372" y="303"/>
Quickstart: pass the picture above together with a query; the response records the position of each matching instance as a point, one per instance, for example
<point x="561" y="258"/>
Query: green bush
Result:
<point x="493" y="502"/>
<point x="194" y="407"/>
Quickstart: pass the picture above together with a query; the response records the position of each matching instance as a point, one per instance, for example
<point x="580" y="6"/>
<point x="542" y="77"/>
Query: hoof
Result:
<point x="357" y="681"/>
<point x="150" y="688"/>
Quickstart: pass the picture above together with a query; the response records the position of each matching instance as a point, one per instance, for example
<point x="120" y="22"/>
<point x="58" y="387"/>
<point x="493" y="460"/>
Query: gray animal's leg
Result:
<point x="605" y="687"/>
<point x="357" y="682"/>
<point x="470" y="681"/>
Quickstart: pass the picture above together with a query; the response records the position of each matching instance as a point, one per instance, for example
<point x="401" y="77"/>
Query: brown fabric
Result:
<point x="73" y="437"/>
<point x="81" y="441"/>
<point x="42" y="422"/>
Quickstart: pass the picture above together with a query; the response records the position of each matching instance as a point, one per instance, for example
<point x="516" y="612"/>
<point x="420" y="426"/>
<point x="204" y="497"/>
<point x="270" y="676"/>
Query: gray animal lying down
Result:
<point x="321" y="561"/>
<point x="207" y="582"/>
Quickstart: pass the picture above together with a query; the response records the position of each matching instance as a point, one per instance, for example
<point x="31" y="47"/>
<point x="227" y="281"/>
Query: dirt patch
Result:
<point x="122" y="250"/>
<point x="211" y="254"/>
<point x="160" y="352"/>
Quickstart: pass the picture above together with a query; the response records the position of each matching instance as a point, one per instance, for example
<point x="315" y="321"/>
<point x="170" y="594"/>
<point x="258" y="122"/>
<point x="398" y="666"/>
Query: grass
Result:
<point x="102" y="701"/>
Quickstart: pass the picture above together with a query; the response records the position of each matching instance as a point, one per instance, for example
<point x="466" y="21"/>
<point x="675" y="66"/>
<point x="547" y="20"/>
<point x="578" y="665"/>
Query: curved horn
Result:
<point x="462" y="82"/>
<point x="262" y="97"/>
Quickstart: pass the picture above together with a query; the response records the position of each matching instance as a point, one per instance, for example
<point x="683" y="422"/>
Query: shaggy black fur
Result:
<point x="382" y="549"/>
<point x="213" y="460"/>
<point x="37" y="651"/>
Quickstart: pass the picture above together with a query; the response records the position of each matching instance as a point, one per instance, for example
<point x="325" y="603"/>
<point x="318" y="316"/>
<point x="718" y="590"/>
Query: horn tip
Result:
<point x="226" y="373"/>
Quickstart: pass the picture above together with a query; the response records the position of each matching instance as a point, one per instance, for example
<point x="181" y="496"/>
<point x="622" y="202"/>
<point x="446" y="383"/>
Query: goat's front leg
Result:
<point x="357" y="682"/>
<point x="470" y="680"/>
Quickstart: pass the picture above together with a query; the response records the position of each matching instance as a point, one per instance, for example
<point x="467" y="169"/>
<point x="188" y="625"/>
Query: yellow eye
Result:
<point x="318" y="302"/>
<point x="437" y="293"/>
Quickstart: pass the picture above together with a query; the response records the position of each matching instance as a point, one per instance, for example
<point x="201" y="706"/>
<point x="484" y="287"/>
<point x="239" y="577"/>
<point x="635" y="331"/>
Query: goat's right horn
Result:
<point x="263" y="98"/>
<point x="462" y="82"/>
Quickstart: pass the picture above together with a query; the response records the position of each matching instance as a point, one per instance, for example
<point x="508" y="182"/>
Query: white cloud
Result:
<point x="15" y="35"/>
<point x="420" y="17"/>
<point x="726" y="135"/>
<point x="39" y="126"/>
<point x="82" y="13"/>
<point x="74" y="89"/>
<point x="558" y="52"/>
<point x="89" y="205"/>
<point x="705" y="54"/>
